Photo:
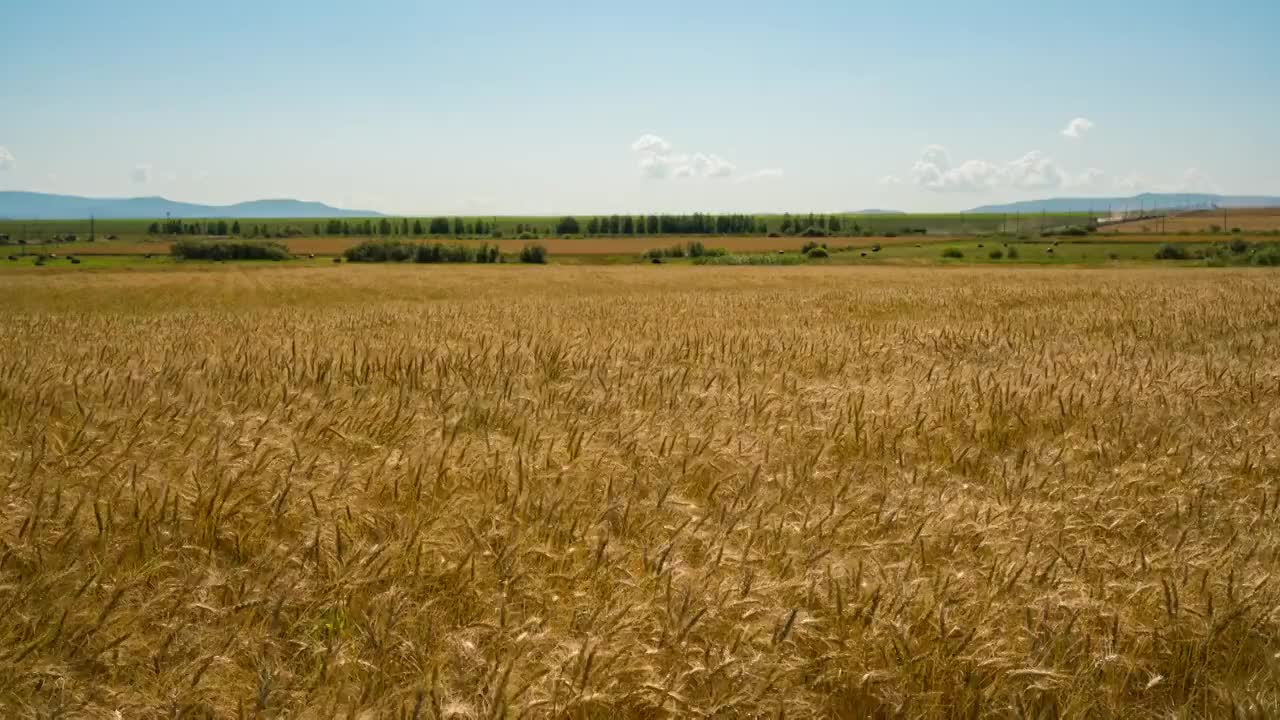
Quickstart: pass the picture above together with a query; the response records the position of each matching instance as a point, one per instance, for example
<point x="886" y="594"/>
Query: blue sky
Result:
<point x="551" y="107"/>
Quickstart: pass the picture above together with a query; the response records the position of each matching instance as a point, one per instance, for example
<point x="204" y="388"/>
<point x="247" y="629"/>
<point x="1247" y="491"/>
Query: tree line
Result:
<point x="687" y="224"/>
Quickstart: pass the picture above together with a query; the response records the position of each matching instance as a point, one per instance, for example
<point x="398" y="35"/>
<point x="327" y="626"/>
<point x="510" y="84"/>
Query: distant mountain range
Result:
<point x="43" y="206"/>
<point x="1163" y="201"/>
<point x="874" y="211"/>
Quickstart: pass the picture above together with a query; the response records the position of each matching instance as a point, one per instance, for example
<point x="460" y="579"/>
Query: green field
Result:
<point x="43" y="231"/>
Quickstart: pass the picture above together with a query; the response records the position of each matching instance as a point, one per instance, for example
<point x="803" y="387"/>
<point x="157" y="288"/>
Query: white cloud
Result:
<point x="765" y="174"/>
<point x="1033" y="171"/>
<point x="141" y="174"/>
<point x="712" y="166"/>
<point x="7" y="160"/>
<point x="1077" y="128"/>
<point x="889" y="180"/>
<point x="656" y="159"/>
<point x="933" y="171"/>
<point x="648" y="143"/>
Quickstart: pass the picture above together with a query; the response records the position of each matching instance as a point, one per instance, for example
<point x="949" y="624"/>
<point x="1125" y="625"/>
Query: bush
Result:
<point x="817" y="253"/>
<point x="775" y="234"/>
<point x="533" y="253"/>
<point x="397" y="251"/>
<point x="810" y="245"/>
<point x="1238" y="246"/>
<point x="952" y="253"/>
<point x="338" y="260"/>
<point x="1171" y="252"/>
<point x="526" y="236"/>
<point x="228" y="250"/>
<point x="1267" y="257"/>
<point x="1012" y="254"/>
<point x="814" y="232"/>
<point x="1074" y="231"/>
<point x="996" y="254"/>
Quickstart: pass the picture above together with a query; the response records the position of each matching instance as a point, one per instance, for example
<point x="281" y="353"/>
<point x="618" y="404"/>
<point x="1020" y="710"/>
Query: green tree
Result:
<point x="417" y="227"/>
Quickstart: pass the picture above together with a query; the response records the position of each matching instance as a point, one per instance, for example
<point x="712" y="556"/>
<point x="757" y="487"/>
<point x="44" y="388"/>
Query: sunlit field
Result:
<point x="644" y="491"/>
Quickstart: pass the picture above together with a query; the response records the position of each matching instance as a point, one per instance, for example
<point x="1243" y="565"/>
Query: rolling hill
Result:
<point x="1148" y="200"/>
<point x="44" y="206"/>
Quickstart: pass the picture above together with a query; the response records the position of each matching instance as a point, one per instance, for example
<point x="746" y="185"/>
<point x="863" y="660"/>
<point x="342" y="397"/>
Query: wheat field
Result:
<point x="481" y="492"/>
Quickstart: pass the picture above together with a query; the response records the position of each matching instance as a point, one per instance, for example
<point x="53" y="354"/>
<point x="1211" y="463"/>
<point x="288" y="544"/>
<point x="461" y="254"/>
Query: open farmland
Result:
<point x="630" y="245"/>
<point x="640" y="492"/>
<point x="137" y="230"/>
<point x="1248" y="220"/>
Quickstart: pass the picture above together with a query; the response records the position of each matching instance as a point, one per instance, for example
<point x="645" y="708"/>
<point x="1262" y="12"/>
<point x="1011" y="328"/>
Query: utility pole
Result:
<point x="92" y="229"/>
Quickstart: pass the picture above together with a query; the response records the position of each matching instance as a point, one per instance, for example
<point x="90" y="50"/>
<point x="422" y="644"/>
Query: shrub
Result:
<point x="952" y="253"/>
<point x="810" y="245"/>
<point x="526" y="236"/>
<point x="696" y="249"/>
<point x="1268" y="256"/>
<point x="533" y="253"/>
<point x="1013" y="253"/>
<point x="814" y="232"/>
<point x="1074" y="231"/>
<point x="338" y="260"/>
<point x="228" y="250"/>
<point x="775" y="234"/>
<point x="427" y="253"/>
<point x="1238" y="246"/>
<point x="1171" y="252"/>
<point x="817" y="253"/>
<point x="1235" y="230"/>
<point x="996" y="254"/>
